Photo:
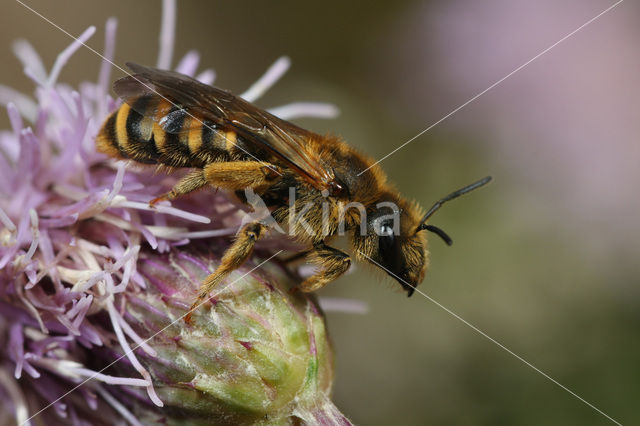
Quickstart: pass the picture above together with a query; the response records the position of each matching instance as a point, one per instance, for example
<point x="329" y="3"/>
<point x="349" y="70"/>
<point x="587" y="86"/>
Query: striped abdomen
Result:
<point x="186" y="142"/>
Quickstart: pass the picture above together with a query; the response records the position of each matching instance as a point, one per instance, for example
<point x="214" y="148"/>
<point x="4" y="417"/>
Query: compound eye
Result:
<point x="383" y="228"/>
<point x="386" y="230"/>
<point x="389" y="250"/>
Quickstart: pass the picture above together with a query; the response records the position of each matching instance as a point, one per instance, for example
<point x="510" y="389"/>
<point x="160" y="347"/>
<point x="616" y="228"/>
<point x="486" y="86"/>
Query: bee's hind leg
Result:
<point x="191" y="182"/>
<point x="232" y="175"/>
<point x="332" y="263"/>
<point x="239" y="175"/>
<point x="233" y="258"/>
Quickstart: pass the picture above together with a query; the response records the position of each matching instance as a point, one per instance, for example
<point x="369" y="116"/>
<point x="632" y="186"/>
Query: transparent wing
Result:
<point x="178" y="103"/>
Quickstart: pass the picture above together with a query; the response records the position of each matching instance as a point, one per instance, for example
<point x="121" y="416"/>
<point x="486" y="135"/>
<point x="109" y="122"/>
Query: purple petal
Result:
<point x="189" y="63"/>
<point x="64" y="56"/>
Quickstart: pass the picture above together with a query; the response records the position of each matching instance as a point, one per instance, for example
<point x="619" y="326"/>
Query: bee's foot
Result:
<point x="164" y="197"/>
<point x="187" y="318"/>
<point x="295" y="290"/>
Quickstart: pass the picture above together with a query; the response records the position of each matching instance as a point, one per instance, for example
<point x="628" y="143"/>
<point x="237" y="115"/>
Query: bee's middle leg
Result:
<point x="233" y="258"/>
<point x="332" y="263"/>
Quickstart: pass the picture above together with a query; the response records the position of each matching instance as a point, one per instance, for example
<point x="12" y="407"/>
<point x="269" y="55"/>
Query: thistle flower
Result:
<point x="91" y="277"/>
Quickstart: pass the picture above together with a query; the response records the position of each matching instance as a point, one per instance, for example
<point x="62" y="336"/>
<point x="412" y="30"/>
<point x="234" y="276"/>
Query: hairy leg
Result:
<point x="238" y="175"/>
<point x="191" y="182"/>
<point x="232" y="175"/>
<point x="233" y="258"/>
<point x="332" y="263"/>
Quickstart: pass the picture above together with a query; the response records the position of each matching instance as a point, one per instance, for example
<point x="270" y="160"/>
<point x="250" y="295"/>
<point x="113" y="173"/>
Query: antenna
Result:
<point x="449" y="197"/>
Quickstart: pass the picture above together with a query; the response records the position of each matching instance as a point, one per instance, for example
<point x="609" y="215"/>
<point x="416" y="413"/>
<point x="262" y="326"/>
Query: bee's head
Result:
<point x="394" y="239"/>
<point x="389" y="240"/>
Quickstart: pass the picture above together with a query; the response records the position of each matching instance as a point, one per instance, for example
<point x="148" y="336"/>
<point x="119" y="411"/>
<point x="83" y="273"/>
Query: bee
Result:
<point x="170" y="119"/>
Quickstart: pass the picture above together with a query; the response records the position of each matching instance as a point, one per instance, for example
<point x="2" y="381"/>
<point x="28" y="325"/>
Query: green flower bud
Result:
<point x="255" y="353"/>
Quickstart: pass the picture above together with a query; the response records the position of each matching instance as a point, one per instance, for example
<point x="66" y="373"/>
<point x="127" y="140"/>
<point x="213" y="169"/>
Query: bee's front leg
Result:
<point x="332" y="263"/>
<point x="234" y="257"/>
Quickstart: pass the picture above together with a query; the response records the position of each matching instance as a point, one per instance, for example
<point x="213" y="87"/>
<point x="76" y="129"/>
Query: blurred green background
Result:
<point x="545" y="258"/>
